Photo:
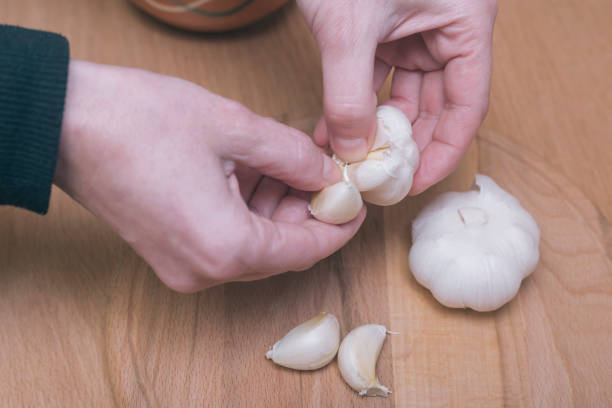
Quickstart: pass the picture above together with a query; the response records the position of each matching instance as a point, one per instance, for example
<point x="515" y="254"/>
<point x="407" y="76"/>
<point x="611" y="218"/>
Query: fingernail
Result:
<point x="350" y="149"/>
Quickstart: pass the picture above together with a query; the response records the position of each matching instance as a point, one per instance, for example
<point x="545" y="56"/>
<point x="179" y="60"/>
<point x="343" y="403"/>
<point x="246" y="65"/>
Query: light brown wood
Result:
<point x="85" y="321"/>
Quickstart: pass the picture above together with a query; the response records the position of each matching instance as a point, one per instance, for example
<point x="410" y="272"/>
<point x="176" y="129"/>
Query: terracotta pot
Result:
<point x="209" y="15"/>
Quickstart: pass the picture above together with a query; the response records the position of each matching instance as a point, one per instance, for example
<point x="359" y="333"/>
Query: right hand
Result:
<point x="202" y="188"/>
<point x="441" y="54"/>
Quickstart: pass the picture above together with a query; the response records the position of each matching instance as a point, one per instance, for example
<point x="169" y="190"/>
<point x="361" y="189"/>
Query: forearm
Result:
<point x="33" y="75"/>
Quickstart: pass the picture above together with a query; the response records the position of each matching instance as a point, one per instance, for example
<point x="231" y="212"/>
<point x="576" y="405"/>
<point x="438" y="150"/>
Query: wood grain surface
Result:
<point x="84" y="321"/>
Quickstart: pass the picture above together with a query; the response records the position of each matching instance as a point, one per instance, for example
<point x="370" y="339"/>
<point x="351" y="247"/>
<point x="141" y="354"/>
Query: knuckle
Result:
<point x="234" y="109"/>
<point x="345" y="113"/>
<point x="239" y="121"/>
<point x="242" y="116"/>
<point x="180" y="282"/>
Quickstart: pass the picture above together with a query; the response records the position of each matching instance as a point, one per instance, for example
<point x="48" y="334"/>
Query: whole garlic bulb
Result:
<point x="309" y="346"/>
<point x="473" y="249"/>
<point x="384" y="177"/>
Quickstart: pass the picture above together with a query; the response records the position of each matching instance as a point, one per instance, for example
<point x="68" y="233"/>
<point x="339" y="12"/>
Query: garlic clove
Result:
<point x="336" y="204"/>
<point x="309" y="346"/>
<point x="368" y="174"/>
<point x="381" y="139"/>
<point x="385" y="177"/>
<point x="378" y="155"/>
<point x="357" y="359"/>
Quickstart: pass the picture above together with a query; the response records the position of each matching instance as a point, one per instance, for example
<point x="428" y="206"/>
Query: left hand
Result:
<point x="203" y="189"/>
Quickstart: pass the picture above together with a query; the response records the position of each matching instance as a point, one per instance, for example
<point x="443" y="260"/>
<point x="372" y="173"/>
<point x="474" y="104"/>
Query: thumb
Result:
<point x="348" y="97"/>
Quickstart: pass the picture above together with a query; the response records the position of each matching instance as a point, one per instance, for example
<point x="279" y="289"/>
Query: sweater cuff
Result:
<point x="33" y="76"/>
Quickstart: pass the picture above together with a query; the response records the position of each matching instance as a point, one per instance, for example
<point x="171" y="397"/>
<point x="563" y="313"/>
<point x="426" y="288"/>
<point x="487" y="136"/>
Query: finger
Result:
<point x="279" y="152"/>
<point x="466" y="81"/>
<point x="436" y="162"/>
<point x="281" y="246"/>
<point x="304" y="195"/>
<point x="320" y="134"/>
<point x="267" y="196"/>
<point x="410" y="53"/>
<point x="349" y="99"/>
<point x="466" y="88"/>
<point x="405" y="92"/>
<point x="381" y="72"/>
<point x="247" y="180"/>
<point x="293" y="210"/>
<point x="431" y="103"/>
<point x="233" y="187"/>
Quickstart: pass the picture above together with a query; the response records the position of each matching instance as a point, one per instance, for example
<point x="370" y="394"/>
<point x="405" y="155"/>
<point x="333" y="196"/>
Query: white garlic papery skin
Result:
<point x="309" y="346"/>
<point x="357" y="359"/>
<point x="338" y="203"/>
<point x="472" y="249"/>
<point x="385" y="176"/>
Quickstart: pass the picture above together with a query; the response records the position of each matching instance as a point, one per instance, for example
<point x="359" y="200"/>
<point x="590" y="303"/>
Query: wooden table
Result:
<point x="86" y="323"/>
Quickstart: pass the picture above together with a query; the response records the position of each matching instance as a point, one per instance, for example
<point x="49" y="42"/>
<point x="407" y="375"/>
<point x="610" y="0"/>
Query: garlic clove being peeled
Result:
<point x="309" y="346"/>
<point x="357" y="359"/>
<point x="384" y="177"/>
<point x="473" y="249"/>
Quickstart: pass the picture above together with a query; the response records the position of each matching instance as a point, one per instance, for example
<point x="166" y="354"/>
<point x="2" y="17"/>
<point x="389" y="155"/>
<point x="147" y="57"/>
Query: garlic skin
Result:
<point x="357" y="358"/>
<point x="309" y="346"/>
<point x="472" y="249"/>
<point x="385" y="176"/>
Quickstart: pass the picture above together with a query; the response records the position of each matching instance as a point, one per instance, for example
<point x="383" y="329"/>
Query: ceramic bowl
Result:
<point x="209" y="15"/>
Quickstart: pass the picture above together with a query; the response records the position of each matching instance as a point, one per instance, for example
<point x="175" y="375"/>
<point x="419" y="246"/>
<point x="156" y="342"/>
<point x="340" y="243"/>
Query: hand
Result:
<point x="203" y="189"/>
<point x="441" y="51"/>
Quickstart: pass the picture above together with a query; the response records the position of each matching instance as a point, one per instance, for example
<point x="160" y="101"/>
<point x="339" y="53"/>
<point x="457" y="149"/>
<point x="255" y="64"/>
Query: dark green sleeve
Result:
<point x="33" y="75"/>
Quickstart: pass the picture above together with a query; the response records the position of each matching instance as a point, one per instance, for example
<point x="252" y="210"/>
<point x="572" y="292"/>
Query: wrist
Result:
<point x="78" y="149"/>
<point x="66" y="154"/>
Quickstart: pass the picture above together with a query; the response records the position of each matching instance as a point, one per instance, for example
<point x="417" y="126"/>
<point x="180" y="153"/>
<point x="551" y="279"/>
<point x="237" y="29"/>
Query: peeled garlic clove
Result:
<point x="473" y="249"/>
<point x="357" y="358"/>
<point x="338" y="203"/>
<point x="311" y="345"/>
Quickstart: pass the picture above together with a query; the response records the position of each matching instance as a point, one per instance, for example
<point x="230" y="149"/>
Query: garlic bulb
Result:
<point x="473" y="249"/>
<point x="357" y="358"/>
<point x="311" y="345"/>
<point x="384" y="177"/>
